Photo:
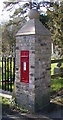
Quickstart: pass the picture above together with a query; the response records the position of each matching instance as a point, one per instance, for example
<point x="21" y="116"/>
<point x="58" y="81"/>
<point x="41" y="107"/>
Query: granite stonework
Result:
<point x="35" y="95"/>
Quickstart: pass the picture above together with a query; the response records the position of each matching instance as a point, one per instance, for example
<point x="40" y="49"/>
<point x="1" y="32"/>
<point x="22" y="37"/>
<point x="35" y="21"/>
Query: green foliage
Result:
<point x="44" y="19"/>
<point x="4" y="100"/>
<point x="55" y="24"/>
<point x="8" y="34"/>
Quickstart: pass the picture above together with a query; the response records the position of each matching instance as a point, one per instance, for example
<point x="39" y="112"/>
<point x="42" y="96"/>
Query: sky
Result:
<point x="1" y="6"/>
<point x="4" y="16"/>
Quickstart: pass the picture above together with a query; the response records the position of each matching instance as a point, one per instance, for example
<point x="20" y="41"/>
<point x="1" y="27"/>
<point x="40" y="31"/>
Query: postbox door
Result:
<point x="25" y="66"/>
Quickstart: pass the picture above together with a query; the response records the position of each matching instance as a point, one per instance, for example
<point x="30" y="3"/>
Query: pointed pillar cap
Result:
<point x="33" y="26"/>
<point x="33" y="14"/>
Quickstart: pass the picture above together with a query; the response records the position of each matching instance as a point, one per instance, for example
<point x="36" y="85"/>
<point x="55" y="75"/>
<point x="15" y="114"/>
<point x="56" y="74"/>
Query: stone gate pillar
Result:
<point x="36" y="39"/>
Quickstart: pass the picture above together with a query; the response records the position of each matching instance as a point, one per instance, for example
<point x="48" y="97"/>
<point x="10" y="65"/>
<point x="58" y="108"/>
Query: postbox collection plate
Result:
<point x="24" y="56"/>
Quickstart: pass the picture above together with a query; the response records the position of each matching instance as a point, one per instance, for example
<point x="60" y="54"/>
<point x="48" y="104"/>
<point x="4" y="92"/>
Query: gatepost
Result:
<point x="33" y="64"/>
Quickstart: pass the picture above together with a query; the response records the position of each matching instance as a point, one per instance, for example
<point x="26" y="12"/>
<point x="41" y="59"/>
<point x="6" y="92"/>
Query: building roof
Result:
<point x="32" y="27"/>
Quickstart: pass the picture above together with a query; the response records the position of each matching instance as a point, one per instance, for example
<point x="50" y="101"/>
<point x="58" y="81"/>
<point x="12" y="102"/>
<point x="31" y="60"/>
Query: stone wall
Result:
<point x="36" y="94"/>
<point x="25" y="92"/>
<point x="42" y="71"/>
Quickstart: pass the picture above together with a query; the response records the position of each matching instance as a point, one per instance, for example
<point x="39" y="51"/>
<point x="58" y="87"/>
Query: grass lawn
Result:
<point x="52" y="68"/>
<point x="56" y="82"/>
<point x="56" y="91"/>
<point x="56" y="85"/>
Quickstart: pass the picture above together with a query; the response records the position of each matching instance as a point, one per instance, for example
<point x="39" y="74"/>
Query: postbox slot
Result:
<point x="24" y="66"/>
<point x="24" y="56"/>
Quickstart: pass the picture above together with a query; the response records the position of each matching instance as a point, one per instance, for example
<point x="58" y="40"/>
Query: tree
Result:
<point x="9" y="31"/>
<point x="53" y="20"/>
<point x="10" y="28"/>
<point x="55" y="24"/>
<point x="16" y="21"/>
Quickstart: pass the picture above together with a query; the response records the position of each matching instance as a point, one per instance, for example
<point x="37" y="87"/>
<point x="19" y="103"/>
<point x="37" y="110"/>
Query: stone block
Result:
<point x="57" y="70"/>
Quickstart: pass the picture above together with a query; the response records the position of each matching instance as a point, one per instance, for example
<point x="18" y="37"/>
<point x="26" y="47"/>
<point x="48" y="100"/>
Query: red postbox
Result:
<point x="25" y="66"/>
